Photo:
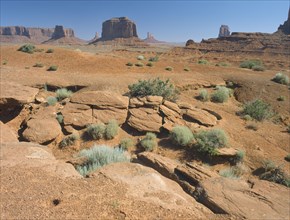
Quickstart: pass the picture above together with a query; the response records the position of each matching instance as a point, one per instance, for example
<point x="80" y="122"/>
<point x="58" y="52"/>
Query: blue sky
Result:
<point x="174" y="21"/>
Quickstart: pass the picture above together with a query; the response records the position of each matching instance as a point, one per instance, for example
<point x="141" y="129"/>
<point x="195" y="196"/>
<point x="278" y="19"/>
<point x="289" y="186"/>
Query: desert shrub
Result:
<point x="27" y="48"/>
<point x="68" y="141"/>
<point x="240" y="156"/>
<point x="249" y="64"/>
<point x="247" y="117"/>
<point x="63" y="94"/>
<point x="96" y="131"/>
<point x="186" y="69"/>
<point x="258" y="68"/>
<point x="258" y="110"/>
<point x="50" y="50"/>
<point x="126" y="143"/>
<point x="140" y="57"/>
<point x="139" y="64"/>
<point x="38" y="65"/>
<point x="111" y="130"/>
<point x="222" y="64"/>
<point x="52" y="68"/>
<point x="281" y="98"/>
<point x="252" y="126"/>
<point x="274" y="173"/>
<point x="51" y="100"/>
<point x="208" y="141"/>
<point x="38" y="50"/>
<point x="59" y="118"/>
<point x="149" y="142"/>
<point x="155" y="87"/>
<point x="129" y="64"/>
<point x="27" y="67"/>
<point x="288" y="129"/>
<point x="281" y="78"/>
<point x="233" y="172"/>
<point x="221" y="95"/>
<point x="287" y="158"/>
<point x="149" y="64"/>
<point x="154" y="59"/>
<point x="202" y="62"/>
<point x="99" y="156"/>
<point x="4" y="62"/>
<point x="168" y="68"/>
<point x="203" y="95"/>
<point x="181" y="135"/>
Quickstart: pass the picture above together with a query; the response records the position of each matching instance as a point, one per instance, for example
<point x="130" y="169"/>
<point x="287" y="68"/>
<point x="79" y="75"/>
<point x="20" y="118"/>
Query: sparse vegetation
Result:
<point x="51" y="100"/>
<point x="181" y="135"/>
<point x="247" y="117"/>
<point x="208" y="141"/>
<point x="240" y="156"/>
<point x="4" y="62"/>
<point x="287" y="158"/>
<point x="126" y="143"/>
<point x="149" y="64"/>
<point x="250" y="64"/>
<point x="155" y="87"/>
<point x="258" y="110"/>
<point x="281" y="78"/>
<point x="52" y="68"/>
<point x="27" y="48"/>
<point x="222" y="64"/>
<point x="221" y="95"/>
<point x="234" y="172"/>
<point x="203" y="95"/>
<point x="140" y="57"/>
<point x="59" y="118"/>
<point x="149" y="142"/>
<point x="139" y="64"/>
<point x="129" y="64"/>
<point x="50" y="50"/>
<point x="258" y="68"/>
<point x="274" y="173"/>
<point x="96" y="131"/>
<point x="202" y="62"/>
<point x="111" y="130"/>
<point x="281" y="98"/>
<point x="63" y="94"/>
<point x="99" y="156"/>
<point x="186" y="69"/>
<point x="68" y="140"/>
<point x="39" y="65"/>
<point x="169" y="68"/>
<point x="154" y="59"/>
<point x="252" y="126"/>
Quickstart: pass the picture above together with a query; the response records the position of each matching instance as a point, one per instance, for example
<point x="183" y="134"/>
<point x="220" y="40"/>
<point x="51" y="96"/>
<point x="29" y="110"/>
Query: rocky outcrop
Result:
<point x="7" y="134"/>
<point x="118" y="28"/>
<point x="285" y="28"/>
<point x="151" y="40"/>
<point x="224" y="31"/>
<point x="189" y="42"/>
<point x="200" y="116"/>
<point x="60" y="32"/>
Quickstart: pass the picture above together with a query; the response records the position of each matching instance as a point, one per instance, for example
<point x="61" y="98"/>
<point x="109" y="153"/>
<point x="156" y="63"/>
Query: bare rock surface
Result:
<point x="224" y="31"/>
<point x="105" y="115"/>
<point x="201" y="117"/>
<point x="7" y="134"/>
<point x="148" y="101"/>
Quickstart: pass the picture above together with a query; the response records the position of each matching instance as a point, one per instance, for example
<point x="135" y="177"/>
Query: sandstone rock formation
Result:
<point x="7" y="134"/>
<point x="189" y="42"/>
<point x="151" y="40"/>
<point x="60" y="32"/>
<point x="224" y="31"/>
<point x="285" y="28"/>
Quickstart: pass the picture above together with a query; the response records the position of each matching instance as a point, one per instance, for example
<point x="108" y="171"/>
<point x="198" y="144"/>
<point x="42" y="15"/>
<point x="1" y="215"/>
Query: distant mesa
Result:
<point x="285" y="28"/>
<point x="96" y="37"/>
<point x="189" y="42"/>
<point x="151" y="40"/>
<point x="224" y="31"/>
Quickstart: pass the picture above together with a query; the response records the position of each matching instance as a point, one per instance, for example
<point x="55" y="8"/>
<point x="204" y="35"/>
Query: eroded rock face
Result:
<point x="7" y="134"/>
<point x="224" y="31"/>
<point x="60" y="32"/>
<point x="201" y="117"/>
<point x="285" y="28"/>
<point x="118" y="28"/>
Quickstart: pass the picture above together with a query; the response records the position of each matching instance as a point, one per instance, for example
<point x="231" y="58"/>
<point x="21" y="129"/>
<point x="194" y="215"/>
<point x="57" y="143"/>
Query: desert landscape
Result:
<point x="120" y="127"/>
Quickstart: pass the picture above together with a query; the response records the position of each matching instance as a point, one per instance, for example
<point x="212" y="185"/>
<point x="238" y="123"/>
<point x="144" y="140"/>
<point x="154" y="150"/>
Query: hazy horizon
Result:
<point x="171" y="21"/>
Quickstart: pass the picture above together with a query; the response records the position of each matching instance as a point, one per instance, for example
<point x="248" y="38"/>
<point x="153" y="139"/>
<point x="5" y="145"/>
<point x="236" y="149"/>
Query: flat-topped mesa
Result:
<point x="118" y="28"/>
<point x="224" y="31"/>
<point x="60" y="32"/>
<point x="285" y="28"/>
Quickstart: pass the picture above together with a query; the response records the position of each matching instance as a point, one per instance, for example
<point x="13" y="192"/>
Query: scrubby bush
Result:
<point x="258" y="110"/>
<point x="140" y="57"/>
<point x="281" y="98"/>
<point x="52" y="68"/>
<point x="208" y="141"/>
<point x="111" y="130"/>
<point x="129" y="64"/>
<point x="50" y="50"/>
<point x="169" y="68"/>
<point x="139" y="64"/>
<point x="149" y="142"/>
<point x="4" y="62"/>
<point x="181" y="135"/>
<point x="234" y="172"/>
<point x="155" y="87"/>
<point x="59" y="118"/>
<point x="63" y="93"/>
<point x="274" y="173"/>
<point x="186" y="69"/>
<point x="281" y="78"/>
<point x="27" y="48"/>
<point x="222" y="64"/>
<point x="287" y="158"/>
<point x="68" y="141"/>
<point x="38" y="65"/>
<point x="99" y="156"/>
<point x="203" y="95"/>
<point x="149" y="64"/>
<point x="247" y="117"/>
<point x="249" y="64"/>
<point x="202" y="62"/>
<point x="126" y="143"/>
<point x="51" y="100"/>
<point x="252" y="126"/>
<point x="221" y="95"/>
<point x="258" y="68"/>
<point x="154" y="59"/>
<point x="240" y="156"/>
<point x="96" y="131"/>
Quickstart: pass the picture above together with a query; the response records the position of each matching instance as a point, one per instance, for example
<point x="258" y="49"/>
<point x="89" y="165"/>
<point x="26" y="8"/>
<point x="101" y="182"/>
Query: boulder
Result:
<point x="42" y="130"/>
<point x="30" y="155"/>
<point x="101" y="99"/>
<point x="200" y="116"/>
<point x="13" y="94"/>
<point x="224" y="31"/>
<point x="7" y="134"/>
<point x="227" y="152"/>
<point x="145" y="119"/>
<point x="77" y="115"/>
<point x="105" y="115"/>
